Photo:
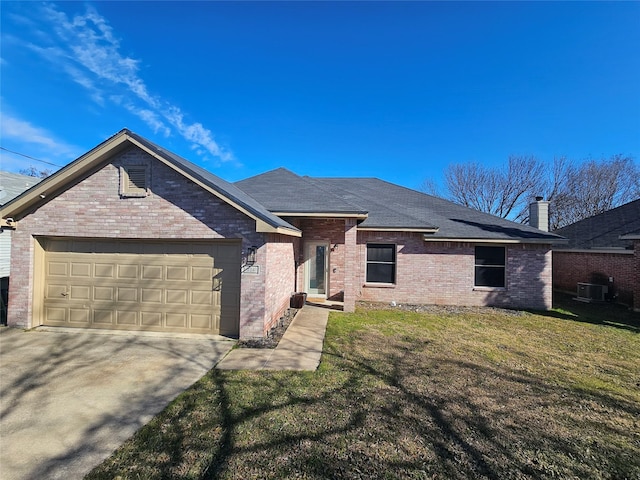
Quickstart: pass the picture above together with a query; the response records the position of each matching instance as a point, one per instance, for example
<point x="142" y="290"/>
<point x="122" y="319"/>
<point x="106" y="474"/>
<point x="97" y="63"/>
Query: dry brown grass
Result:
<point x="476" y="393"/>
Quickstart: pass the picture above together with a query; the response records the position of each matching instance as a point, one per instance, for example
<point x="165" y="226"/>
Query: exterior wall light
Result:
<point x="251" y="255"/>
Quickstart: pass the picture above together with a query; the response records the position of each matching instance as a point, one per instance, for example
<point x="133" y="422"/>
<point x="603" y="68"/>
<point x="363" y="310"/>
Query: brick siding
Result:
<point x="279" y="277"/>
<point x="427" y="272"/>
<point x="443" y="273"/>
<point x="636" y="280"/>
<point x="176" y="209"/>
<point x="569" y="268"/>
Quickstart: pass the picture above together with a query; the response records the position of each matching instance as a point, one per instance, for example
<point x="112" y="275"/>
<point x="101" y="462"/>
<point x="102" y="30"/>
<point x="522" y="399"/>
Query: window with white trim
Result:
<point x="490" y="266"/>
<point x="381" y="263"/>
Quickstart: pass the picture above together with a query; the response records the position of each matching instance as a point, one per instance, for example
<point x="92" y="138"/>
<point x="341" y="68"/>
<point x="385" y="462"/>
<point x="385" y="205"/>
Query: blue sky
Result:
<point x="391" y="90"/>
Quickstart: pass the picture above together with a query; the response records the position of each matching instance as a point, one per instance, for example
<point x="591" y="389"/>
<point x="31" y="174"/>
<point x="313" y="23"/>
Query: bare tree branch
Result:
<point x="575" y="190"/>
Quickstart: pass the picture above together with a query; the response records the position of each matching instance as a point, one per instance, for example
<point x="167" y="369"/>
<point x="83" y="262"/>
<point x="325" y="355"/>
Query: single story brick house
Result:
<point x="602" y="250"/>
<point x="131" y="236"/>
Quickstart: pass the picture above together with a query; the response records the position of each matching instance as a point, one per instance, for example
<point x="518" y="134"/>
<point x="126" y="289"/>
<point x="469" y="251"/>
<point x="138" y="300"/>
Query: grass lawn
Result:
<point x="447" y="393"/>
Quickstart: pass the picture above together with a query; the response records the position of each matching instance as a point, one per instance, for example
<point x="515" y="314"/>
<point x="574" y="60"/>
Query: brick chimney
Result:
<point x="539" y="214"/>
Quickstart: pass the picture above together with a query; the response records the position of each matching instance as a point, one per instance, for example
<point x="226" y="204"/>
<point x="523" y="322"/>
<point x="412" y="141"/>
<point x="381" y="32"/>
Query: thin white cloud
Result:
<point x="81" y="79"/>
<point x="46" y="152"/>
<point x="26" y="133"/>
<point x="150" y="118"/>
<point x="196" y="133"/>
<point x="89" y="52"/>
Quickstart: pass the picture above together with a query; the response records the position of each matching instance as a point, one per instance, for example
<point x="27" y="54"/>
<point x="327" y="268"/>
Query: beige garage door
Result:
<point x="187" y="287"/>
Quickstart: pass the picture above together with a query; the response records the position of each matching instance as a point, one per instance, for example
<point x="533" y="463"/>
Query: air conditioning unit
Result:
<point x="590" y="292"/>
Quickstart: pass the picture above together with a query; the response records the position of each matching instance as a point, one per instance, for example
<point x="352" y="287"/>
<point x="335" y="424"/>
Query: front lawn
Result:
<point x="449" y="393"/>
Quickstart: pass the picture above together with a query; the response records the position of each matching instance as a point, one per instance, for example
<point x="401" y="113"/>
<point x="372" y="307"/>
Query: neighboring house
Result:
<point x="131" y="236"/>
<point x="603" y="250"/>
<point x="11" y="185"/>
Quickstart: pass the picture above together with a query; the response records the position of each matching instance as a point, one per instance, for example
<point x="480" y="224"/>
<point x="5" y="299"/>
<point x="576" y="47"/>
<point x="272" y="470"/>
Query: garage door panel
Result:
<point x="80" y="269"/>
<point x="103" y="317"/>
<point x="152" y="295"/>
<point x="202" y="322"/>
<point x="127" y="272"/>
<point x="201" y="274"/>
<point x="124" y="317"/>
<point x="78" y="292"/>
<point x="151" y="319"/>
<point x="176" y="320"/>
<point x="79" y="315"/>
<point x="201" y="297"/>
<point x="57" y="269"/>
<point x="176" y="297"/>
<point x="102" y="270"/>
<point x="127" y="294"/>
<point x="56" y="314"/>
<point x="152" y="272"/>
<point x="104" y="294"/>
<point x="56" y="291"/>
<point x="175" y="286"/>
<point x="177" y="273"/>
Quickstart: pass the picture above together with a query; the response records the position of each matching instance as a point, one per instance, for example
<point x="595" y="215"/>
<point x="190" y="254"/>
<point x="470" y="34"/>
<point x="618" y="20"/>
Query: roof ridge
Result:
<point x="397" y="207"/>
<point x="314" y="181"/>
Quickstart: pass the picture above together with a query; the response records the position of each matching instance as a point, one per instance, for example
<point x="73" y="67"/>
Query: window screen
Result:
<point x="381" y="263"/>
<point x="490" y="266"/>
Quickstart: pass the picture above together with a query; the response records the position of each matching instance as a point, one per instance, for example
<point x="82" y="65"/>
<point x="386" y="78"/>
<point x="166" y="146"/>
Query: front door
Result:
<point x="317" y="269"/>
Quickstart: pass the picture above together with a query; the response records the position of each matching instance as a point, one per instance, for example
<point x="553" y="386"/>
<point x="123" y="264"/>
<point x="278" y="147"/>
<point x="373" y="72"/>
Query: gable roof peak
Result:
<point x="125" y="138"/>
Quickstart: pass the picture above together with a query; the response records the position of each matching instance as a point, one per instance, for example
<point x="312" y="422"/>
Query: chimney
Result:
<point x="539" y="214"/>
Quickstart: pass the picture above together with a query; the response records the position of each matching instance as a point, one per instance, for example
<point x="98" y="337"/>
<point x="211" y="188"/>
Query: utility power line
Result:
<point x="30" y="157"/>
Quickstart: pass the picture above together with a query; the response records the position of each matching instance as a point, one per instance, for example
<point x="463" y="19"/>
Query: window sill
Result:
<point x="134" y="195"/>
<point x="379" y="285"/>
<point x="489" y="289"/>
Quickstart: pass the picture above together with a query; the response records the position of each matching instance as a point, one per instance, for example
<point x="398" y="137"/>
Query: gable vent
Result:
<point x="134" y="180"/>
<point x="137" y="178"/>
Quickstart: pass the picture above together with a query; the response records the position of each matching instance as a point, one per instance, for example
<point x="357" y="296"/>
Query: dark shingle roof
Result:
<point x="388" y="206"/>
<point x="227" y="189"/>
<point x="281" y="190"/>
<point x="604" y="230"/>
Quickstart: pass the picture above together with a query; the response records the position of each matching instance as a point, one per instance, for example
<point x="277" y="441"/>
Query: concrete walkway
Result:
<point x="299" y="349"/>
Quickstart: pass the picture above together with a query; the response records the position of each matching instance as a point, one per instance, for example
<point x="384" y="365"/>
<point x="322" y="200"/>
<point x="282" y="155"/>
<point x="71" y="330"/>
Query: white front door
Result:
<point x="317" y="268"/>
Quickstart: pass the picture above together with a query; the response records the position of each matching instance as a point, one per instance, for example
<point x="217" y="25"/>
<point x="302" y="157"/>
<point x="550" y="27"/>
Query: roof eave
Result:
<point x="284" y="213"/>
<point x="630" y="236"/>
<point x="263" y="227"/>
<point x="617" y="250"/>
<point x="428" y="238"/>
<point x="425" y="230"/>
<point x="53" y="184"/>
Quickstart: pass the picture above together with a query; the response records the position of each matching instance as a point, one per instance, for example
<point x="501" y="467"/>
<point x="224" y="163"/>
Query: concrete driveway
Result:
<point x="69" y="399"/>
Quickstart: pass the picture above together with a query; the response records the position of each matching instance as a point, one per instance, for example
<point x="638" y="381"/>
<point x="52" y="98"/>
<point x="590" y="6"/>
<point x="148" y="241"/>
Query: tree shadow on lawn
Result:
<point x="387" y="407"/>
<point x="402" y="412"/>
<point x="609" y="314"/>
<point x="484" y="422"/>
